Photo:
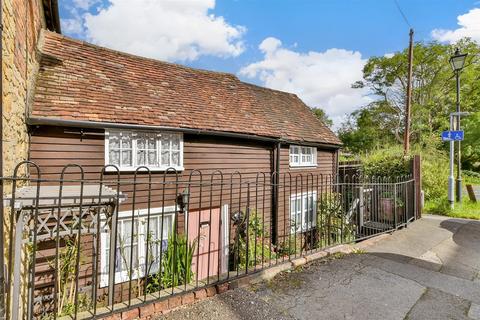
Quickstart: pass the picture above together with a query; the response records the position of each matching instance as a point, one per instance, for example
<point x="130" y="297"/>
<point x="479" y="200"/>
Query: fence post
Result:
<point x="395" y="205"/>
<point x="417" y="177"/>
<point x="18" y="222"/>
<point x="112" y="257"/>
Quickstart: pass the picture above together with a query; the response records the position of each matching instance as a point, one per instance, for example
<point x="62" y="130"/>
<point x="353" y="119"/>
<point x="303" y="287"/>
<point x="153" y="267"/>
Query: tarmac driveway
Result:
<point x="430" y="270"/>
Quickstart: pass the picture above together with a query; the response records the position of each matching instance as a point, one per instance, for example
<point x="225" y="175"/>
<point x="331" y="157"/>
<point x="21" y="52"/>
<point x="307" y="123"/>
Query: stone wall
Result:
<point x="23" y="21"/>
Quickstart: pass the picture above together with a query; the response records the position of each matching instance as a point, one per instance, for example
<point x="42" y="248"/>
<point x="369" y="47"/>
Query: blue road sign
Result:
<point x="452" y="135"/>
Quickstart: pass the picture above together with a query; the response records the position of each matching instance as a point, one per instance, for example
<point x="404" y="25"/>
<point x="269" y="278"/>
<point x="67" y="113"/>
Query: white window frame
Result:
<point x="141" y="216"/>
<point x="158" y="142"/>
<point x="298" y="159"/>
<point x="303" y="225"/>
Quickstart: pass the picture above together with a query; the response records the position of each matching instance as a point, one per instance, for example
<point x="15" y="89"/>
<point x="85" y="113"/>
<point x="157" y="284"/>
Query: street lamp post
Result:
<point x="451" y="179"/>
<point x="457" y="61"/>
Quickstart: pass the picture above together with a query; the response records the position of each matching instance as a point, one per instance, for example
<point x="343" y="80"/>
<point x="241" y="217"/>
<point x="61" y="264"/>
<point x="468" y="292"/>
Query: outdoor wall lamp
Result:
<point x="238" y="218"/>
<point x="182" y="199"/>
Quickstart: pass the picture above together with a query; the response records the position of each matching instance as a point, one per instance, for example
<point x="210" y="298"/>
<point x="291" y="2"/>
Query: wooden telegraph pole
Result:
<point x="406" y="138"/>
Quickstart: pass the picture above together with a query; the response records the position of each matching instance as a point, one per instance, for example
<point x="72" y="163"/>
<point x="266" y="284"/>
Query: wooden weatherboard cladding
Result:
<point x="54" y="147"/>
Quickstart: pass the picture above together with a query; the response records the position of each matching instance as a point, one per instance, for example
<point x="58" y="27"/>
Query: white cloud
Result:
<point x="85" y="4"/>
<point x="469" y="27"/>
<point x="72" y="26"/>
<point x="169" y="30"/>
<point x="320" y="79"/>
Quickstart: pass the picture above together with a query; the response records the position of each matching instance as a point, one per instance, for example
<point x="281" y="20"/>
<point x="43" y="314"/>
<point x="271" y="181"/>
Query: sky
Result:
<point x="313" y="48"/>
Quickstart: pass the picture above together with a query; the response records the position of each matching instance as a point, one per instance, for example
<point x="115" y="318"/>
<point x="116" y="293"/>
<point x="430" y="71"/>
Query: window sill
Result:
<point x="120" y="277"/>
<point x="303" y="230"/>
<point x="309" y="166"/>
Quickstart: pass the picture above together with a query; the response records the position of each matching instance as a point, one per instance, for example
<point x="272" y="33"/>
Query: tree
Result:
<point x="362" y="132"/>
<point x="433" y="97"/>
<point x="322" y="116"/>
<point x="471" y="145"/>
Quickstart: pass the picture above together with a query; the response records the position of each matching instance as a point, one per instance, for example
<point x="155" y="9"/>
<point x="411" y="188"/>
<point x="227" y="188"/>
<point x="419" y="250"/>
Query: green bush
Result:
<point x="471" y="176"/>
<point x="390" y="161"/>
<point x="332" y="225"/>
<point x="384" y="162"/>
<point x="290" y="245"/>
<point x="176" y="268"/>
<point x="177" y="261"/>
<point x="259" y="249"/>
<point x="435" y="172"/>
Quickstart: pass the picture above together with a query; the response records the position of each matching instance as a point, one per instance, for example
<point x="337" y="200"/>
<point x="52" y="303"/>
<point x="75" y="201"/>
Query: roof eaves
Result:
<point x="35" y="121"/>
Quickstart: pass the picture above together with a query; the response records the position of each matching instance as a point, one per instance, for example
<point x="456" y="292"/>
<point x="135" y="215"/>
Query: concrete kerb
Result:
<point x="245" y="281"/>
<point x="270" y="273"/>
<point x="474" y="311"/>
<point x="371" y="241"/>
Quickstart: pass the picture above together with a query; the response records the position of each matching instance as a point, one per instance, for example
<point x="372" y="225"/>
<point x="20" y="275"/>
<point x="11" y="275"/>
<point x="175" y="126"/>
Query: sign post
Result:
<point x="452" y="136"/>
<point x="451" y="179"/>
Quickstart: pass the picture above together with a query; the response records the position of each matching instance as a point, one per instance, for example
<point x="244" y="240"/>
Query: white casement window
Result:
<point x="156" y="150"/>
<point x="303" y="209"/>
<point x="303" y="156"/>
<point x="157" y="236"/>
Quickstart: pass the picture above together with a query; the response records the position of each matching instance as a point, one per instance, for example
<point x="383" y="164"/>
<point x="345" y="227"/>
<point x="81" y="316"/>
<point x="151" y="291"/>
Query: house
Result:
<point x="95" y="107"/>
<point x="149" y="180"/>
<point x="231" y="147"/>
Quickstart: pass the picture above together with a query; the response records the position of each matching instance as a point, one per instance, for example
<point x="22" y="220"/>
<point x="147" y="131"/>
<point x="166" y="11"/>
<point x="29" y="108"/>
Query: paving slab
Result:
<point x="436" y="304"/>
<point x="474" y="311"/>
<point x="427" y="278"/>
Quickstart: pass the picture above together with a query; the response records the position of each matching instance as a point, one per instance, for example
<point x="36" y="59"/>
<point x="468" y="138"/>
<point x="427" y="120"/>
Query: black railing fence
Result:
<point x="78" y="244"/>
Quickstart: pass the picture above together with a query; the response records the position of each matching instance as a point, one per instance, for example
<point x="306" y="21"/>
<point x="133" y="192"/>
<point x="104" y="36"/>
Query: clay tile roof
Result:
<point x="81" y="81"/>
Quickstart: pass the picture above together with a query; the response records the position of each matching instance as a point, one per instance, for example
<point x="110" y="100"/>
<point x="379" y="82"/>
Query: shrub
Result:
<point x="471" y="176"/>
<point x="332" y="225"/>
<point x="259" y="249"/>
<point x="176" y="268"/>
<point x="389" y="161"/>
<point x="290" y="245"/>
<point x="66" y="280"/>
<point x="177" y="261"/>
<point x="435" y="174"/>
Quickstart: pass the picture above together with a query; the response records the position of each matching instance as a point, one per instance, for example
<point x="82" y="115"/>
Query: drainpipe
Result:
<point x="2" y="251"/>
<point x="275" y="190"/>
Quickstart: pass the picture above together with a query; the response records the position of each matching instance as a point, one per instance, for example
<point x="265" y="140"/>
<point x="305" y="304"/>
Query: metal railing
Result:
<point x="84" y="245"/>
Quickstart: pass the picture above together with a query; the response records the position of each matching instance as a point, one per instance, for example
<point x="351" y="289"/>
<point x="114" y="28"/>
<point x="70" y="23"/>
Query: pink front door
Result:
<point x="207" y="253"/>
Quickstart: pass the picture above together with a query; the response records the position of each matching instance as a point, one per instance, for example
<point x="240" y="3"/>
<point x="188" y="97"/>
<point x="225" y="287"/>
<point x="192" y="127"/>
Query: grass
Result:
<point x="467" y="209"/>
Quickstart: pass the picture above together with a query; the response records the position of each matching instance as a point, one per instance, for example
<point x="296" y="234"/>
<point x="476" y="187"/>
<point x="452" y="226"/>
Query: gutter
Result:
<point x="36" y="121"/>
<point x="55" y="16"/>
